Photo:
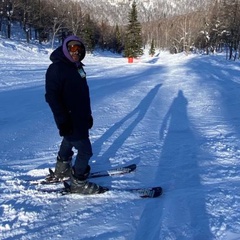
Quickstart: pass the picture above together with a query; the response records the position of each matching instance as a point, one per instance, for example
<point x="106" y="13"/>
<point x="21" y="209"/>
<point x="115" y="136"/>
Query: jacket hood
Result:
<point x="62" y="54"/>
<point x="65" y="48"/>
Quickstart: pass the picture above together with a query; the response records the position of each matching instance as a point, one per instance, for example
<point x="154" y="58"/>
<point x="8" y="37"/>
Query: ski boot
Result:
<point x="80" y="185"/>
<point x="62" y="170"/>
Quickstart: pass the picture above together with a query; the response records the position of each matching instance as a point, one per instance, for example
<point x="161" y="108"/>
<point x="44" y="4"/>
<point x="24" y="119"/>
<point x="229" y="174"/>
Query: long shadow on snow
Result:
<point x="135" y="117"/>
<point x="174" y="215"/>
<point x="110" y="85"/>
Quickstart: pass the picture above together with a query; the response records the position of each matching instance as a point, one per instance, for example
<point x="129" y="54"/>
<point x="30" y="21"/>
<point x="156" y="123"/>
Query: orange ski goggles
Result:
<point x="74" y="48"/>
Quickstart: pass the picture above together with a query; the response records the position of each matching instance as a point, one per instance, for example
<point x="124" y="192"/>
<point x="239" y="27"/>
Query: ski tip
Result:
<point x="132" y="167"/>
<point x="153" y="192"/>
<point x="157" y="192"/>
<point x="103" y="190"/>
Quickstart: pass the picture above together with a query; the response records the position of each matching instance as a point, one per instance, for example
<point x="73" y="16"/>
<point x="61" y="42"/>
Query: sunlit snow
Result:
<point x="176" y="116"/>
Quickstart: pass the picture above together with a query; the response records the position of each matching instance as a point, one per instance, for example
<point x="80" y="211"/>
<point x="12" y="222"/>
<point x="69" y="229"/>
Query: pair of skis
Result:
<point x="151" y="192"/>
<point x="51" y="179"/>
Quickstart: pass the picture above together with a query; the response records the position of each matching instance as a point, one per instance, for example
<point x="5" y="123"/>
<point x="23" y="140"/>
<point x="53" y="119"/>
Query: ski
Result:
<point x="151" y="192"/>
<point x="51" y="179"/>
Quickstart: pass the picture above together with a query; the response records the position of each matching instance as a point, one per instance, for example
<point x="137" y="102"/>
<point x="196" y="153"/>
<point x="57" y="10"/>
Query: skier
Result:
<point x="67" y="94"/>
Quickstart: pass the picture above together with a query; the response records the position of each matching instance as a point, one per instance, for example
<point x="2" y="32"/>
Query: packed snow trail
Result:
<point x="175" y="116"/>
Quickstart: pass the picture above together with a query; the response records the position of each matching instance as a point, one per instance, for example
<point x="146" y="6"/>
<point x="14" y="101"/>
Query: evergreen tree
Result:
<point x="152" y="48"/>
<point x="117" y="41"/>
<point x="87" y="33"/>
<point x="133" y="41"/>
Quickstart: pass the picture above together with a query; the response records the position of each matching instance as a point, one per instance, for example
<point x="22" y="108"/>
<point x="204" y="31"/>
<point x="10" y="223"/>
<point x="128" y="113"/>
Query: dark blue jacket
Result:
<point x="67" y="94"/>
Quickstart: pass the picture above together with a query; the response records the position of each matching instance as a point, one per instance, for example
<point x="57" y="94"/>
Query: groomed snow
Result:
<point x="176" y="116"/>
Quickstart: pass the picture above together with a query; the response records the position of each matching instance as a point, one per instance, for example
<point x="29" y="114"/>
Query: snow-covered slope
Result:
<point x="175" y="116"/>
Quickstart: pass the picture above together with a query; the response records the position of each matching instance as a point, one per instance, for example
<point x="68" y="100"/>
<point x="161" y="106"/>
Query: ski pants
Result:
<point x="84" y="153"/>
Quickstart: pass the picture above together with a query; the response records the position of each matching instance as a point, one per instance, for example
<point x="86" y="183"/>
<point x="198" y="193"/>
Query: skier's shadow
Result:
<point x="178" y="170"/>
<point x="136" y="115"/>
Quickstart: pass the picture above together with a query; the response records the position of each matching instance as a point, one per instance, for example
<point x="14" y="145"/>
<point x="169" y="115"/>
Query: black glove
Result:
<point x="65" y="129"/>
<point x="90" y="122"/>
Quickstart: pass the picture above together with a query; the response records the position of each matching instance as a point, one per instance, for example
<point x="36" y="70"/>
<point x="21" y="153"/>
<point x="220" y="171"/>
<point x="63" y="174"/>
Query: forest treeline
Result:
<point x="210" y="29"/>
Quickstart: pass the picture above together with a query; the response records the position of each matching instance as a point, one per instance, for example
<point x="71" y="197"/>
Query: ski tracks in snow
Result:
<point x="177" y="116"/>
